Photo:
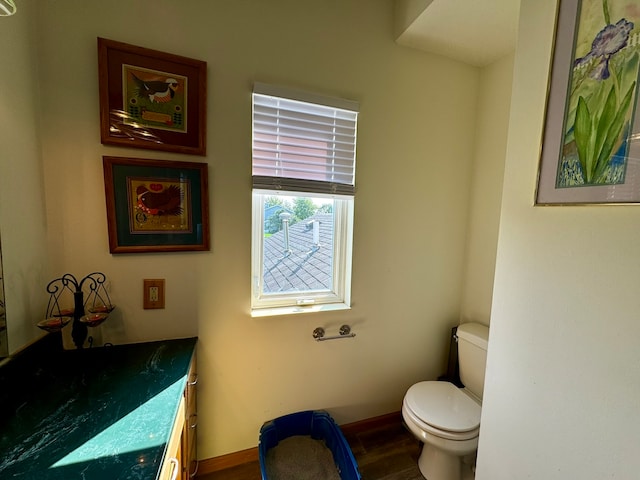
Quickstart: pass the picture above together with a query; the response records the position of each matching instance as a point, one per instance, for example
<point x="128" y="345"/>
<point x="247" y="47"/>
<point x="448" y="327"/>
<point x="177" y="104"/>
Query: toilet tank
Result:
<point x="472" y="356"/>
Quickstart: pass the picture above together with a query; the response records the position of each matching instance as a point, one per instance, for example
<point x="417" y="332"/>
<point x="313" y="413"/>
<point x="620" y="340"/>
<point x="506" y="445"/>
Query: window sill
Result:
<point x="273" y="311"/>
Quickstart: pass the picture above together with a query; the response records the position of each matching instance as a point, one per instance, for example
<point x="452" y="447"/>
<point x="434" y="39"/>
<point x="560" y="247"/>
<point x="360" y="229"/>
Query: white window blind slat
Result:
<point x="298" y="185"/>
<point x="267" y="166"/>
<point x="303" y="145"/>
<point x="307" y="171"/>
<point x="294" y="173"/>
<point x="339" y="134"/>
<point x="285" y="136"/>
<point x="269" y="124"/>
<point x="318" y="117"/>
<point x="294" y="151"/>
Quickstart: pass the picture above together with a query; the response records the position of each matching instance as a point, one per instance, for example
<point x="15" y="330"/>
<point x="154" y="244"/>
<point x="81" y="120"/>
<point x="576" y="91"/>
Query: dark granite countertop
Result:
<point x="103" y="413"/>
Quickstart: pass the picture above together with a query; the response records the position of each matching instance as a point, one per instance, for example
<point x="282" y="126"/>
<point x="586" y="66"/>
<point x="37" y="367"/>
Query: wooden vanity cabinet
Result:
<point x="172" y="466"/>
<point x="180" y="461"/>
<point x="189" y="437"/>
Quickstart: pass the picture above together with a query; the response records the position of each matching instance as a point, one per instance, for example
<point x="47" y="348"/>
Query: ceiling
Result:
<point x="476" y="32"/>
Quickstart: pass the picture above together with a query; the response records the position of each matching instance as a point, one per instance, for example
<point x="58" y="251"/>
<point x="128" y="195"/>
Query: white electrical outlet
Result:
<point x="153" y="293"/>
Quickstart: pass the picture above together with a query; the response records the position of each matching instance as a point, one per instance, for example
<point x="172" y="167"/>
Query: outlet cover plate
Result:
<point x="153" y="293"/>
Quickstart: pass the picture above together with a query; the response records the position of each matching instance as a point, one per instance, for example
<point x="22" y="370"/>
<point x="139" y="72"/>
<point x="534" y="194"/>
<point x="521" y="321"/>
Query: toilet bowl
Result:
<point x="447" y="418"/>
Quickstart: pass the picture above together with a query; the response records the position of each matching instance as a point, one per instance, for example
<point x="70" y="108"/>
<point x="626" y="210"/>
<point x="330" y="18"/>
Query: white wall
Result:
<point x="22" y="205"/>
<point x="563" y="377"/>
<point x="492" y="126"/>
<point x="406" y="12"/>
<point x="415" y="149"/>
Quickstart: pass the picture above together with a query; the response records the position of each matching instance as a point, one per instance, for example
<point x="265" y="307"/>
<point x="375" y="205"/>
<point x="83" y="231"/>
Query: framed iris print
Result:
<point x="156" y="205"/>
<point x="591" y="138"/>
<point x="150" y="99"/>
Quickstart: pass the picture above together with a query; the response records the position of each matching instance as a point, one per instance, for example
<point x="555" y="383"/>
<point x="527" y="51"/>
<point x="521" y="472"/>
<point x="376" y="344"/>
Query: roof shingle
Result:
<point x="306" y="265"/>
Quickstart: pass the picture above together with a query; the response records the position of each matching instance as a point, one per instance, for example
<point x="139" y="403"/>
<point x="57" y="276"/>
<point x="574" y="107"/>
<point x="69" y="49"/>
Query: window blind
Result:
<point x="300" y="145"/>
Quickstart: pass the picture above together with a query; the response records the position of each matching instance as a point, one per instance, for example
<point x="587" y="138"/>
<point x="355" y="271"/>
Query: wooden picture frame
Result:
<point x="156" y="205"/>
<point x="591" y="136"/>
<point x="150" y="99"/>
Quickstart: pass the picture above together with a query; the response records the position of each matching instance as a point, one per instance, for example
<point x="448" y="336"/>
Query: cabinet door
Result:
<point x="173" y="460"/>
<point x="190" y="466"/>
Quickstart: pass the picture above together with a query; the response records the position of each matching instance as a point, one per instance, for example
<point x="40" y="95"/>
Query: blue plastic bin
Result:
<point x="317" y="424"/>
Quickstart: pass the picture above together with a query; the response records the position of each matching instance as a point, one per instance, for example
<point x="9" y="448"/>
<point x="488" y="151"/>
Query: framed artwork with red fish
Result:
<point x="156" y="205"/>
<point x="151" y="99"/>
<point x="590" y="142"/>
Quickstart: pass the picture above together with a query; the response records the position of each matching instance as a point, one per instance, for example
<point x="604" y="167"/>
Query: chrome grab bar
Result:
<point x="344" y="332"/>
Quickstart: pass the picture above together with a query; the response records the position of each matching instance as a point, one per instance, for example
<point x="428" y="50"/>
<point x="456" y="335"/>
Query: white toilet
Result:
<point x="447" y="418"/>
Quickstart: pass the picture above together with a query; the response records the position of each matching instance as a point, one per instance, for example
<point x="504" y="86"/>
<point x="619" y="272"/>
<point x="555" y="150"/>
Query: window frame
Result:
<point x="297" y="178"/>
<point x="339" y="298"/>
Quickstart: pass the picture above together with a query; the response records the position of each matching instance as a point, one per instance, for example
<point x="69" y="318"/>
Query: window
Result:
<point x="303" y="189"/>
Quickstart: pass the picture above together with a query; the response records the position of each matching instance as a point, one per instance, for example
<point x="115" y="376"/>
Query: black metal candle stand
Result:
<point x="59" y="313"/>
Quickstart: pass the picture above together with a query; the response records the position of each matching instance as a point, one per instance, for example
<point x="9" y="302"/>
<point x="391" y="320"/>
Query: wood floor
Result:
<point x="384" y="450"/>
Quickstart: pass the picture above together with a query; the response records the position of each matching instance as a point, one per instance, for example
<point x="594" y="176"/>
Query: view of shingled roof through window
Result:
<point x="303" y="261"/>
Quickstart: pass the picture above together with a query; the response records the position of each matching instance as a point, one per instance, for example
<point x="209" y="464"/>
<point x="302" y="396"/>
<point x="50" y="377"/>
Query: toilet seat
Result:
<point x="442" y="409"/>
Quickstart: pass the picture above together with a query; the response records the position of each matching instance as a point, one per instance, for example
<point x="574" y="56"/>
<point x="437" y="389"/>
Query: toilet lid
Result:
<point x="444" y="406"/>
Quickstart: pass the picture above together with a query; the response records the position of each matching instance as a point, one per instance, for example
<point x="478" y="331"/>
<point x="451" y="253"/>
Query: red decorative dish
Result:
<point x="101" y="308"/>
<point x="54" y="324"/>
<point x="94" y="319"/>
